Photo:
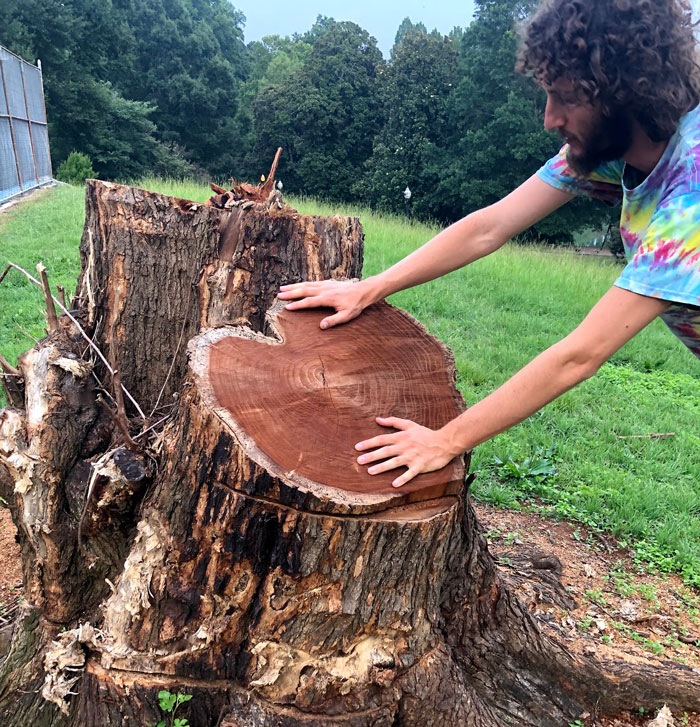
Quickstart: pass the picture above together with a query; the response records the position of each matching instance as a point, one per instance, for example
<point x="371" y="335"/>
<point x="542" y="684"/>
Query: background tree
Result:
<point x="189" y="62"/>
<point x="78" y="43"/>
<point x="325" y="115"/>
<point x="410" y="148"/>
<point x="271" y="61"/>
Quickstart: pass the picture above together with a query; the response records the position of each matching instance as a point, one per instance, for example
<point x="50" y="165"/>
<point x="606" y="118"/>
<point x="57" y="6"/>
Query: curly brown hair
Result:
<point x="638" y="55"/>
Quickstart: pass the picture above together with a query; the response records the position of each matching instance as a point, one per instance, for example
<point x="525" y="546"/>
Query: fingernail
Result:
<point x="395" y="484"/>
<point x="360" y="445"/>
<point x="361" y="460"/>
<point x="324" y="324"/>
<point x="371" y="470"/>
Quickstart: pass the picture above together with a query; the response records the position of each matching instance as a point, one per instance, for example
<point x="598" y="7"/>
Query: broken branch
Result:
<point x="648" y="436"/>
<point x="51" y="317"/>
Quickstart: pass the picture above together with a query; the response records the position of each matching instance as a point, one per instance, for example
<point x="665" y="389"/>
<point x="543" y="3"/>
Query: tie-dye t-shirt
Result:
<point x="660" y="223"/>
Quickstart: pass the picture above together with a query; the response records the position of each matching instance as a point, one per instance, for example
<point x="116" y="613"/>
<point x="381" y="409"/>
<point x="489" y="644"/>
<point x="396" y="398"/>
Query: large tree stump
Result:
<point x="229" y="546"/>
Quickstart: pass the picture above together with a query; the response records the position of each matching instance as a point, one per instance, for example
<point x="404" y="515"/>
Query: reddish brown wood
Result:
<point x="318" y="393"/>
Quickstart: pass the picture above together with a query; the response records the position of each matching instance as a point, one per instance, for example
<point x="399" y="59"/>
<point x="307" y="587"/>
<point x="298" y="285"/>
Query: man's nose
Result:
<point x="554" y="118"/>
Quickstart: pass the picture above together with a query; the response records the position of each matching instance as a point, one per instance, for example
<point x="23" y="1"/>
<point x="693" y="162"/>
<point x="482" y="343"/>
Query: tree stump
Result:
<point x="212" y="533"/>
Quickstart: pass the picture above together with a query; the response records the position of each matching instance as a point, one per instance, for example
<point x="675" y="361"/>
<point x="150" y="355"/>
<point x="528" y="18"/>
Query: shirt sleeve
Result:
<point x="603" y="183"/>
<point x="664" y="258"/>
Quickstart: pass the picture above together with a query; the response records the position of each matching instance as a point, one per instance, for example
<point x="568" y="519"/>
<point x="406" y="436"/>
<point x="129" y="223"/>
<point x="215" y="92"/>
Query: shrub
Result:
<point x="76" y="169"/>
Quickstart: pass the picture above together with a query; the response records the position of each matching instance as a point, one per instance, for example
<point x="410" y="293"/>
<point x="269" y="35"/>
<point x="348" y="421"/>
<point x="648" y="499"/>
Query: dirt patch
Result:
<point x="620" y="611"/>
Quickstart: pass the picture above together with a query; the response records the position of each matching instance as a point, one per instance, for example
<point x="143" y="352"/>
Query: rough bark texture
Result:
<point x="200" y="560"/>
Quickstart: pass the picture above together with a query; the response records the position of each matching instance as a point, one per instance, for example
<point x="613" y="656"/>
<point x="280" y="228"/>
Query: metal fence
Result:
<point x="25" y="162"/>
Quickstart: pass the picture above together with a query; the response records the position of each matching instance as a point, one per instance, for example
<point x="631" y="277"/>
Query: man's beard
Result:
<point x="607" y="141"/>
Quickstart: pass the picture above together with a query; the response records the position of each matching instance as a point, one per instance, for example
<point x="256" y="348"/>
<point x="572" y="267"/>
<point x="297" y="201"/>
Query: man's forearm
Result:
<point x="546" y="377"/>
<point x="467" y="240"/>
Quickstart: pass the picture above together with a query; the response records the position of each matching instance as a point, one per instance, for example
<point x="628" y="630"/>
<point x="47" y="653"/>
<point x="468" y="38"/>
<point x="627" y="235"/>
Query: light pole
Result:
<point x="407" y="201"/>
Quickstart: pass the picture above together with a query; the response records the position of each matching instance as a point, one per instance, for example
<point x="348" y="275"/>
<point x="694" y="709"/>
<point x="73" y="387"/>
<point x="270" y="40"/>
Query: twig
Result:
<point x="27" y="333"/>
<point x="70" y="316"/>
<point x="7" y="368"/>
<point x="62" y="295"/>
<point x="120" y="421"/>
<point x="153" y="426"/>
<point x="51" y="317"/>
<point x="648" y="436"/>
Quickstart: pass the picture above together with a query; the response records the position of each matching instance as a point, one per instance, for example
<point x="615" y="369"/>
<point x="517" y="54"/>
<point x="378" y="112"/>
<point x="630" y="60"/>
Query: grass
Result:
<point x="565" y="461"/>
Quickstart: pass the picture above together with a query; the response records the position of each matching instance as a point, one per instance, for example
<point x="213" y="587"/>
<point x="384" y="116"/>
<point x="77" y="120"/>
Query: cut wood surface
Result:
<point x="307" y="396"/>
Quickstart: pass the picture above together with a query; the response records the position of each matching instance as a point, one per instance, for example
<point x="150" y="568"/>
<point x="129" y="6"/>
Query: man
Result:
<point x="623" y="87"/>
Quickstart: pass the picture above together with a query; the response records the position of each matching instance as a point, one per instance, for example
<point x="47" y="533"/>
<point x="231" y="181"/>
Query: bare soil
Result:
<point x="621" y="612"/>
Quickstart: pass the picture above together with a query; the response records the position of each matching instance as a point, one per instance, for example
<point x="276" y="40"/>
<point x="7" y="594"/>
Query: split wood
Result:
<point x="68" y="314"/>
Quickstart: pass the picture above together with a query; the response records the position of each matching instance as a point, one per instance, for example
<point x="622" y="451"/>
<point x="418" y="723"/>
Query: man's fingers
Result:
<point x="297" y="290"/>
<point x="390" y="464"/>
<point x="380" y="441"/>
<point x="378" y="454"/>
<point x="342" y="316"/>
<point x="395" y="422"/>
<point x="309" y="302"/>
<point x="407" y="476"/>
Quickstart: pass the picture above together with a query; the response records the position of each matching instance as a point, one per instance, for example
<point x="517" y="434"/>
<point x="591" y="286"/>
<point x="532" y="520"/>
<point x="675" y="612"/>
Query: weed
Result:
<point x="538" y="467"/>
<point x="585" y="623"/>
<point x="595" y="595"/>
<point x="169" y="703"/>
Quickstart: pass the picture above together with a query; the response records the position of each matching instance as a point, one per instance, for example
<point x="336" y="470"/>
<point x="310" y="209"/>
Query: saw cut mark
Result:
<point x="381" y="364"/>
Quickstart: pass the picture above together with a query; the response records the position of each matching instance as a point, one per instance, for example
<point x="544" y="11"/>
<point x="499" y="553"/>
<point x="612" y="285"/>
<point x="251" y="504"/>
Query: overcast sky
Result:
<point x="381" y="18"/>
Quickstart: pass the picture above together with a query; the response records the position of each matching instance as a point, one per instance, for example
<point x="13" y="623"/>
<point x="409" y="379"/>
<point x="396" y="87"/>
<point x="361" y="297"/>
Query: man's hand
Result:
<point x="348" y="298"/>
<point x="418" y="448"/>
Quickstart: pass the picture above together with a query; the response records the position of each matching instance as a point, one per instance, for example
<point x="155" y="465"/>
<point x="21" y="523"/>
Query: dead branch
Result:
<point x="270" y="181"/>
<point x="62" y="295"/>
<point x="51" y="317"/>
<point x="7" y="367"/>
<point x="648" y="436"/>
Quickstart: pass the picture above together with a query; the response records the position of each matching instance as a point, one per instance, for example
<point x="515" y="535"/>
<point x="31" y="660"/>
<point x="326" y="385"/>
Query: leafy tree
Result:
<point x="407" y="27"/>
<point x="271" y="61"/>
<point x="325" y="115"/>
<point x="189" y="62"/>
<point x="409" y="150"/>
<point x="77" y="43"/>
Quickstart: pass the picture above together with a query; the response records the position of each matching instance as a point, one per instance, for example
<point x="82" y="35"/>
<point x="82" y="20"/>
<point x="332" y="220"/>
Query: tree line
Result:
<point x="169" y="87"/>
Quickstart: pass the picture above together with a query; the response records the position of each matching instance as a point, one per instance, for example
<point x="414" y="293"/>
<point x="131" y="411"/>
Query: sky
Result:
<point x="381" y="18"/>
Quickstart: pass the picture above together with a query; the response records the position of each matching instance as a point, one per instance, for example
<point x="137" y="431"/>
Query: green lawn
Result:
<point x="495" y="316"/>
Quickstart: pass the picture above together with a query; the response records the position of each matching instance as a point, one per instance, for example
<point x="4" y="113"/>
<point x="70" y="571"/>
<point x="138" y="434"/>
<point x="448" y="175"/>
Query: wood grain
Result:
<point x="307" y="401"/>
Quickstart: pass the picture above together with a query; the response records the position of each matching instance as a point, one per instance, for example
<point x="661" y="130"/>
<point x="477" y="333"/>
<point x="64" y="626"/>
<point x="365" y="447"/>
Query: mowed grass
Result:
<point x="495" y="315"/>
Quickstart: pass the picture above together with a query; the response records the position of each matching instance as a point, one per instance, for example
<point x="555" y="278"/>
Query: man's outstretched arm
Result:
<point x="473" y="237"/>
<point x="615" y="319"/>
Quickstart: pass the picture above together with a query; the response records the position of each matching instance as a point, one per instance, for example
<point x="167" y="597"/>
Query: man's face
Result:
<point x="593" y="137"/>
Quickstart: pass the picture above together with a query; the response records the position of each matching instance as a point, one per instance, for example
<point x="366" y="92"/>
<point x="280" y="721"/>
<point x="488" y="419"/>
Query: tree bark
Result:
<point x="236" y="551"/>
